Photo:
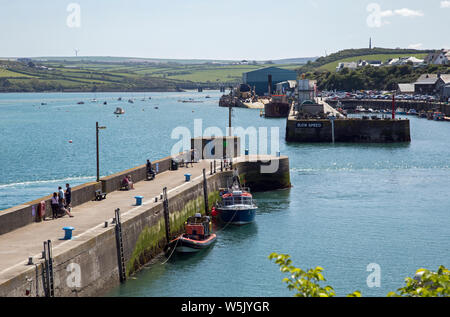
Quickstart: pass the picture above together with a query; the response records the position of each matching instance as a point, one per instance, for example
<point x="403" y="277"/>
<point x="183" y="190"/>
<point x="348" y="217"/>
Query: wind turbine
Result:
<point x="76" y="51"/>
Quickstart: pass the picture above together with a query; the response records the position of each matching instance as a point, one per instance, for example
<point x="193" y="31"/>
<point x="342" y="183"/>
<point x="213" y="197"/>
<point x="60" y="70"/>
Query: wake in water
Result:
<point x="50" y="181"/>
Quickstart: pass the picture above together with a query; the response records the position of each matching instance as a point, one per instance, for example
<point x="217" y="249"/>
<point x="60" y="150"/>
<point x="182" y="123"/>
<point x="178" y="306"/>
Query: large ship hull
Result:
<point x="277" y="110"/>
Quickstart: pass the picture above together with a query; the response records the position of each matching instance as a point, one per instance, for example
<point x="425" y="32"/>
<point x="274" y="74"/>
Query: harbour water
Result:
<point x="350" y="205"/>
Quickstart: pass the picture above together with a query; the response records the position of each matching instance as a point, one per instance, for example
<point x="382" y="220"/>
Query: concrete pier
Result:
<point x="318" y="128"/>
<point x="87" y="265"/>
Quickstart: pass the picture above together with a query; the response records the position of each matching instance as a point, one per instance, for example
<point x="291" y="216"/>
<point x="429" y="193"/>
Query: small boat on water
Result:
<point x="412" y="112"/>
<point x="198" y="236"/>
<point x="438" y="116"/>
<point x="80" y="103"/>
<point x="119" y="111"/>
<point x="43" y="103"/>
<point x="360" y="109"/>
<point x="130" y="101"/>
<point x="422" y="114"/>
<point x="400" y="111"/>
<point x="237" y="206"/>
<point x="119" y="99"/>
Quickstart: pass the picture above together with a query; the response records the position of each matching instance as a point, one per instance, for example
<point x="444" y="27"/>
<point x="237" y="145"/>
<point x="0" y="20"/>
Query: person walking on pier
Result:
<point x="68" y="197"/>
<point x="55" y="205"/>
<point x="60" y="194"/>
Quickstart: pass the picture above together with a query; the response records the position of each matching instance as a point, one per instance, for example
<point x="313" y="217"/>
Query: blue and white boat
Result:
<point x="237" y="206"/>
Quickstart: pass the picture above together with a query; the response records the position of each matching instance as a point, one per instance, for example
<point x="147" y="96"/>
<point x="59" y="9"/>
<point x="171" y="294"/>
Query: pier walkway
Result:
<point x="89" y="219"/>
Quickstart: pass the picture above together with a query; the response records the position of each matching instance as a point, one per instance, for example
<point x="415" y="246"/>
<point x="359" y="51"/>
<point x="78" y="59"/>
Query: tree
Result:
<point x="305" y="283"/>
<point x="426" y="284"/>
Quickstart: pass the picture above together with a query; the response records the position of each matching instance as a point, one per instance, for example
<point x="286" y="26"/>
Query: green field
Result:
<point x="10" y="74"/>
<point x="127" y="76"/>
<point x="378" y="57"/>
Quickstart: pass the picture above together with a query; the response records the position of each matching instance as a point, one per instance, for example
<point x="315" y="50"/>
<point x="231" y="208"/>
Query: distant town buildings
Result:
<point x="431" y="84"/>
<point x="405" y="61"/>
<point x="377" y="63"/>
<point x="406" y="89"/>
<point x="441" y="57"/>
<point x="287" y="87"/>
<point x="349" y="65"/>
<point x="261" y="79"/>
<point x="428" y="84"/>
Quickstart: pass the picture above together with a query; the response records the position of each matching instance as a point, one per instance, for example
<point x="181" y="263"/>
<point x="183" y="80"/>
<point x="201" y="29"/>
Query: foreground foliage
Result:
<point x="307" y="283"/>
<point x="426" y="284"/>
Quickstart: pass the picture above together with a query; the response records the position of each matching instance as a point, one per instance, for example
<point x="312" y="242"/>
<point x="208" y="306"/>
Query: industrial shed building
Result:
<point x="259" y="79"/>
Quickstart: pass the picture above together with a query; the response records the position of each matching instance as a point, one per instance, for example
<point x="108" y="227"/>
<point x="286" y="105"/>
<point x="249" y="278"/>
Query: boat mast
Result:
<point x="229" y="119"/>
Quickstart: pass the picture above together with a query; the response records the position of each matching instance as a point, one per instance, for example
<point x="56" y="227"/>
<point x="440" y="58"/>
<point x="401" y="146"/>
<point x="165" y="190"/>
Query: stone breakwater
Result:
<point x="88" y="264"/>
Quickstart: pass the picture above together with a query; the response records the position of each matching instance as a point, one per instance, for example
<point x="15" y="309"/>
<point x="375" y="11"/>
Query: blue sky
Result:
<point x="231" y="29"/>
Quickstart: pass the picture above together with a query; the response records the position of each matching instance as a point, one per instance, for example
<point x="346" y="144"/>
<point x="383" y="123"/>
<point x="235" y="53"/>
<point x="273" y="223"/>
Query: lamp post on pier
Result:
<point x="97" y="127"/>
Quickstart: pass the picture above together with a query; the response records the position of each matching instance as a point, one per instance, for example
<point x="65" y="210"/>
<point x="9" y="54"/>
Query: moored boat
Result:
<point x="438" y="116"/>
<point x="237" y="206"/>
<point x="412" y="112"/>
<point x="198" y="235"/>
<point x="400" y="111"/>
<point x="360" y="109"/>
<point x="119" y="111"/>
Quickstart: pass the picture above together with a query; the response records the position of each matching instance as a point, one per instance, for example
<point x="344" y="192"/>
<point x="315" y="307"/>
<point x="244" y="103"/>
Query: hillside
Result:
<point x="81" y="75"/>
<point x="379" y="57"/>
<point x="369" y="78"/>
<point x="329" y="63"/>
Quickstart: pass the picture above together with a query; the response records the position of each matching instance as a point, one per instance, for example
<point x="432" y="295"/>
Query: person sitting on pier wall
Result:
<point x="150" y="171"/>
<point x="62" y="210"/>
<point x="130" y="182"/>
<point x="127" y="182"/>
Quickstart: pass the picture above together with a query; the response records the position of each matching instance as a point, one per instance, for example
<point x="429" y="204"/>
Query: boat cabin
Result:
<point x="198" y="227"/>
<point x="237" y="198"/>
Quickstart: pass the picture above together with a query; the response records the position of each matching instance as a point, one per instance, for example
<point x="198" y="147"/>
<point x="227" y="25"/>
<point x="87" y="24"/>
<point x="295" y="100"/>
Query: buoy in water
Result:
<point x="70" y="141"/>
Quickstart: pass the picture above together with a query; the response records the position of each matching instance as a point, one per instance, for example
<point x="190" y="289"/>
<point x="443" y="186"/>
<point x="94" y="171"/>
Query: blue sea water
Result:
<point x="350" y="205"/>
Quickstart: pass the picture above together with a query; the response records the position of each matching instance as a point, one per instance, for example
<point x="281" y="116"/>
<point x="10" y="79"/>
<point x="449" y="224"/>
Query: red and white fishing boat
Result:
<point x="198" y="235"/>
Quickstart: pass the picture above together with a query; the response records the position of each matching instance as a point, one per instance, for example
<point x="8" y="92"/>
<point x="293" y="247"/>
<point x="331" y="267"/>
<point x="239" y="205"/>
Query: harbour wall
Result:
<point x="348" y="130"/>
<point x="27" y="213"/>
<point x="94" y="255"/>
<point x="351" y="104"/>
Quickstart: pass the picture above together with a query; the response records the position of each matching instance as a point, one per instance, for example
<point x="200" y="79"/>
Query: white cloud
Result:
<point x="445" y="4"/>
<point x="376" y="17"/>
<point x="405" y="12"/>
<point x="415" y="46"/>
